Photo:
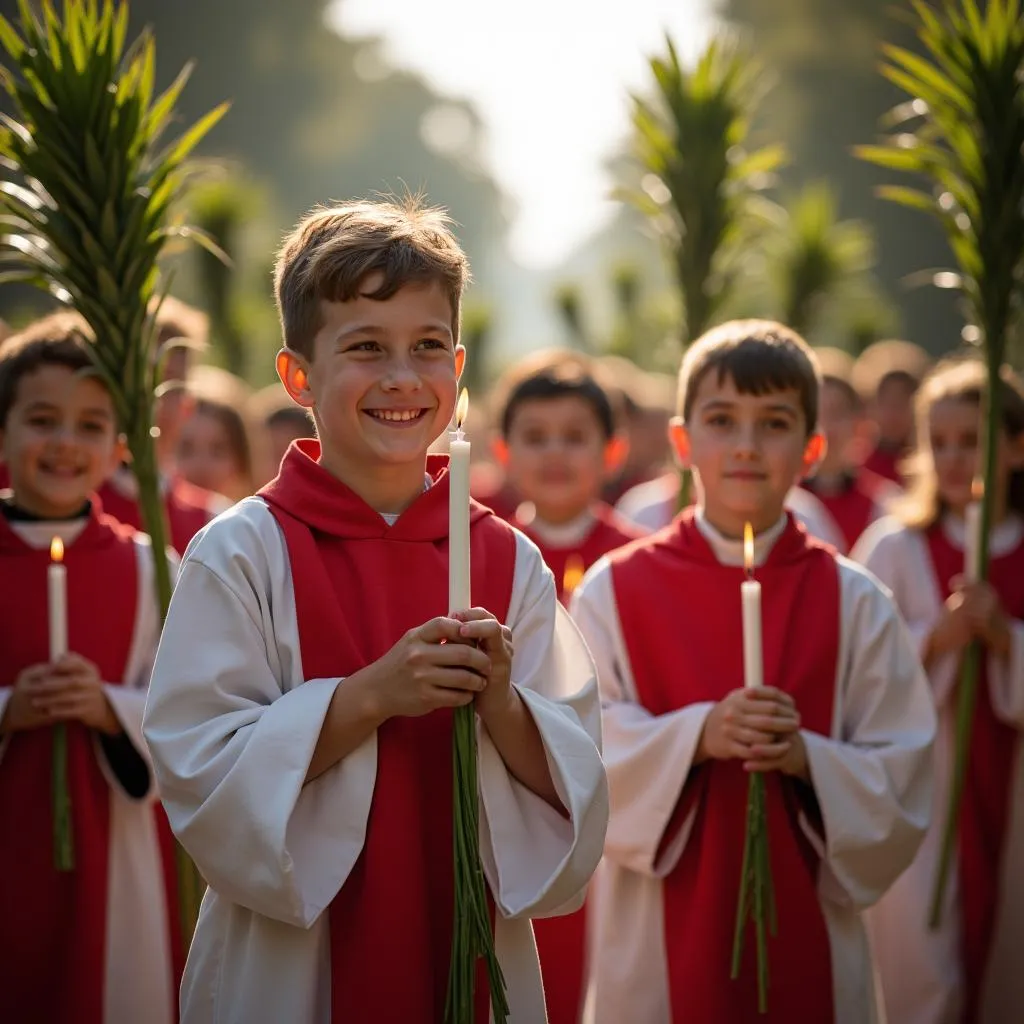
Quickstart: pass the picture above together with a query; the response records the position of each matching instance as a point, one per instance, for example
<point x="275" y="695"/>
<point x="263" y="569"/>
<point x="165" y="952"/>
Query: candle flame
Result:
<point x="573" y="574"/>
<point x="748" y="548"/>
<point x="56" y="550"/>
<point x="977" y="489"/>
<point x="462" y="409"/>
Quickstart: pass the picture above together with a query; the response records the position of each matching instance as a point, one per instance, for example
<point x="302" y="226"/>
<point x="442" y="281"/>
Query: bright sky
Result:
<point x="550" y="78"/>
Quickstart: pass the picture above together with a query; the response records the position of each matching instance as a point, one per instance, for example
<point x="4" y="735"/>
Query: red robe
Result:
<point x="855" y="507"/>
<point x="985" y="812"/>
<point x="885" y="462"/>
<point x="562" y="941"/>
<point x="671" y="588"/>
<point x="189" y="509"/>
<point x="53" y="924"/>
<point x="391" y="922"/>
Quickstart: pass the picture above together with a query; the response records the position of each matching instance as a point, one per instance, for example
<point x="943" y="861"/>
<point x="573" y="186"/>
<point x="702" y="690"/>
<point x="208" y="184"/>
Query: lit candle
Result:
<point x="573" y="574"/>
<point x="459" y="597"/>
<point x="57" y="586"/>
<point x="972" y="534"/>
<point x="753" y="667"/>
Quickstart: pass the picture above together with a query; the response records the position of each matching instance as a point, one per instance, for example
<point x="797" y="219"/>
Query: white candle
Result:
<point x="459" y="596"/>
<point x="972" y="537"/>
<point x="57" y="587"/>
<point x="750" y="590"/>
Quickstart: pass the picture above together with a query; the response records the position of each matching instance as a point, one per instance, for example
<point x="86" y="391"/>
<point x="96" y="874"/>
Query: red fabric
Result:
<point x="610" y="531"/>
<point x="5" y="477"/>
<point x="985" y="812"/>
<point x="189" y="509"/>
<point x="885" y="462"/>
<point x="671" y="588"/>
<point x="855" y="507"/>
<point x="562" y="941"/>
<point x="53" y="924"/>
<point x="361" y="586"/>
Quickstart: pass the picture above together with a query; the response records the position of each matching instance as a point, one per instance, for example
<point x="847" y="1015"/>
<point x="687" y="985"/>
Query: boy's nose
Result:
<point x="401" y="377"/>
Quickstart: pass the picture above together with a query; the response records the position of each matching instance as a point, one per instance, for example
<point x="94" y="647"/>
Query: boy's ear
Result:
<point x="499" y="449"/>
<point x="814" y="452"/>
<point x="291" y="368"/>
<point x="615" y="452"/>
<point x="679" y="437"/>
<point x="460" y="360"/>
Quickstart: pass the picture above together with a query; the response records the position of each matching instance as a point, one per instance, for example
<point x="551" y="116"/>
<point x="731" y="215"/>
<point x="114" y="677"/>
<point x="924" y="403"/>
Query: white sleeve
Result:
<point x="648" y="757"/>
<point x="1006" y="679"/>
<point x="232" y="727"/>
<point x="536" y="860"/>
<point x="873" y="777"/>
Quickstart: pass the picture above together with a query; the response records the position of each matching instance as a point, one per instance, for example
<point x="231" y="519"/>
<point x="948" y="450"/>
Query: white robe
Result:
<point x="139" y="983"/>
<point x="233" y="722"/>
<point x="871" y="778"/>
<point x="921" y="970"/>
<point x="653" y="504"/>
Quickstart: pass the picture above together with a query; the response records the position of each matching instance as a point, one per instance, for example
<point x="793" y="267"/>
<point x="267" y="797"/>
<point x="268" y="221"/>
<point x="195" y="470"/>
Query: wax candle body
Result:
<point x="753" y="669"/>
<point x="459" y="597"/>
<point x="57" y="586"/>
<point x="972" y="541"/>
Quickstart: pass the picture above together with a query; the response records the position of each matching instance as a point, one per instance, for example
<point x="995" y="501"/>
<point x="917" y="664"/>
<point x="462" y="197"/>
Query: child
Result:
<point x="181" y="331"/>
<point x="842" y="727"/>
<point x="968" y="969"/>
<point x="300" y="715"/>
<point x="90" y="945"/>
<point x="853" y="496"/>
<point x="213" y="447"/>
<point x="887" y="374"/>
<point x="558" y="444"/>
<point x="279" y="421"/>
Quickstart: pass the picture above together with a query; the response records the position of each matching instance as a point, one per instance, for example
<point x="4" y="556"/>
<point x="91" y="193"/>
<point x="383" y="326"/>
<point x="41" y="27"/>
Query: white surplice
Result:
<point x="871" y="778"/>
<point x="139" y="983"/>
<point x="233" y="722"/>
<point x="921" y="969"/>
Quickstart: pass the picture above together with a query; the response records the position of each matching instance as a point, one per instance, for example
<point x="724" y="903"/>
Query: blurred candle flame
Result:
<point x="748" y="548"/>
<point x="462" y="409"/>
<point x="57" y="550"/>
<point x="573" y="574"/>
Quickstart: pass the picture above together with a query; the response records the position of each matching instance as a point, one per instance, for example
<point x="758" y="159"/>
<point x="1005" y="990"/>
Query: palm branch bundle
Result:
<point x="961" y="132"/>
<point x="87" y="205"/>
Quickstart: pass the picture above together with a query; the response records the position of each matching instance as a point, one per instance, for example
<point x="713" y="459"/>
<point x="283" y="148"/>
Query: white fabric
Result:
<point x="139" y="984"/>
<point x="870" y="776"/>
<point x="921" y="969"/>
<point x="653" y="504"/>
<point x="233" y="723"/>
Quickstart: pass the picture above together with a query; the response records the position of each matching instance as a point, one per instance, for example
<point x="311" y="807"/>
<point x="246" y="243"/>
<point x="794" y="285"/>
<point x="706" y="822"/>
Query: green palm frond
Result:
<point x="962" y="135"/>
<point x="702" y="184"/>
<point x="814" y="255"/>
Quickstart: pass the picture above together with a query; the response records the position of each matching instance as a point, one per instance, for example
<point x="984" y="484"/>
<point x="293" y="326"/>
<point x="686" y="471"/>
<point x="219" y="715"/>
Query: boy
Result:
<point x="887" y="375"/>
<point x="853" y="496"/>
<point x="300" y="714"/>
<point x="94" y="944"/>
<point x="183" y="331"/>
<point x="558" y="444"/>
<point x="842" y="727"/>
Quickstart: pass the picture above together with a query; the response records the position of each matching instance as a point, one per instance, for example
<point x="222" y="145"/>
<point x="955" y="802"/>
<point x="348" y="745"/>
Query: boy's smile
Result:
<point x="746" y="452"/>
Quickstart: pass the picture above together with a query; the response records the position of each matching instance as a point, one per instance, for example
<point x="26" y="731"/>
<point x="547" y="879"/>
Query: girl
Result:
<point x="214" y="450"/>
<point x="966" y="970"/>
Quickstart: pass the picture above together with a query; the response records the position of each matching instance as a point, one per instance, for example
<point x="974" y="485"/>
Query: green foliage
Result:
<point x="477" y="333"/>
<point x="703" y="183"/>
<point x="569" y="304"/>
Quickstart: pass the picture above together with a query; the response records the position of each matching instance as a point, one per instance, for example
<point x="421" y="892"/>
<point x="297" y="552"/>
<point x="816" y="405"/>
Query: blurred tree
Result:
<point x="830" y="97"/>
<point x="570" y="311"/>
<point x="476" y="334"/>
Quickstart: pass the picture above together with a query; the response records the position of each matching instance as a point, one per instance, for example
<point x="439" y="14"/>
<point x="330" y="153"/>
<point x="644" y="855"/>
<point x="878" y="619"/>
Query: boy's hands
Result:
<point x="431" y="667"/>
<point x="972" y="611"/>
<point x="757" y="726"/>
<point x="494" y="640"/>
<point x="70" y="690"/>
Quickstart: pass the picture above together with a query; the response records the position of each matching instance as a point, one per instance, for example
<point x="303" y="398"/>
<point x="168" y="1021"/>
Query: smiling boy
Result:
<point x="301" y="709"/>
<point x="93" y="944"/>
<point x="841" y="728"/>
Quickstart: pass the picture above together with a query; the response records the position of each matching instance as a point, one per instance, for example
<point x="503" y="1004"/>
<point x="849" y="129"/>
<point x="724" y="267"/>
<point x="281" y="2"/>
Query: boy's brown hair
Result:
<point x="759" y="356"/>
<point x="333" y="250"/>
<point x="888" y="361"/>
<point x="60" y="339"/>
<point x="177" y="319"/>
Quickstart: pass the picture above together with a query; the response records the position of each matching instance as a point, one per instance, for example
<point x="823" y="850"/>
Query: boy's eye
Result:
<point x="364" y="346"/>
<point x="719" y="419"/>
<point x="93" y="428"/>
<point x="778" y="423"/>
<point x="534" y="437"/>
<point x="431" y="343"/>
<point x="41" y="422"/>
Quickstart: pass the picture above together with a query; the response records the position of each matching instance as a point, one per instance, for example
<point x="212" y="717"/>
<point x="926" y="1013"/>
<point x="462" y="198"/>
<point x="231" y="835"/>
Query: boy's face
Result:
<point x="60" y="441"/>
<point x="555" y="456"/>
<point x="746" y="452"/>
<point x="382" y="380"/>
<point x="838" y="420"/>
<point x="894" y="412"/>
